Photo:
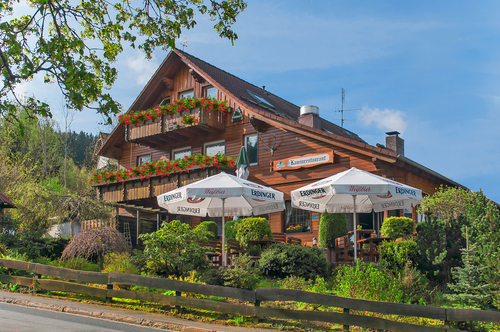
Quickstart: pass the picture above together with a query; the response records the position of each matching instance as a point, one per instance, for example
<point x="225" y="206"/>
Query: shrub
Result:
<point x="367" y="281"/>
<point x="211" y="228"/>
<point x="396" y="254"/>
<point x="438" y="244"/>
<point x="175" y="249"/>
<point x="254" y="251"/>
<point x="396" y="227"/>
<point x="214" y="276"/>
<point x="282" y="260"/>
<point x="414" y="285"/>
<point x="95" y="242"/>
<point x="249" y="229"/>
<point x="243" y="274"/>
<point x="230" y="229"/>
<point x="331" y="226"/>
<point x="293" y="282"/>
<point x="119" y="262"/>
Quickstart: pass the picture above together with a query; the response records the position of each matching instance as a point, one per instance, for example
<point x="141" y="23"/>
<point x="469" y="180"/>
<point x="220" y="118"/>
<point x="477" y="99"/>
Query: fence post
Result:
<point x="346" y="327"/>
<point x="177" y="293"/>
<point x="446" y="321"/>
<point x="108" y="299"/>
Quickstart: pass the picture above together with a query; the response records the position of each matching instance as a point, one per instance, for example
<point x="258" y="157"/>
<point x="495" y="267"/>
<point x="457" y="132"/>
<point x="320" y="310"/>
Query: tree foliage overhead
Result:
<point x="74" y="44"/>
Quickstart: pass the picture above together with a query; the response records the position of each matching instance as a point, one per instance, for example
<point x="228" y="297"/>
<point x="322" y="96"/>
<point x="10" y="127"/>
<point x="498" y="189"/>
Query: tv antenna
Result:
<point x="342" y="110"/>
<point x="184" y="44"/>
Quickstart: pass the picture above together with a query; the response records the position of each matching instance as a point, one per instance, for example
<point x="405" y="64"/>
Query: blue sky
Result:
<point x="429" y="69"/>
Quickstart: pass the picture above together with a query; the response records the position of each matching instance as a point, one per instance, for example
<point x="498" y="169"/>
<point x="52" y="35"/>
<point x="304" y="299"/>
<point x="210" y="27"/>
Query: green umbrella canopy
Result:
<point x="242" y="158"/>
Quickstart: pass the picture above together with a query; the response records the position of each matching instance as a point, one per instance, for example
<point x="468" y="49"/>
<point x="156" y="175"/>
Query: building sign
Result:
<point x="309" y="160"/>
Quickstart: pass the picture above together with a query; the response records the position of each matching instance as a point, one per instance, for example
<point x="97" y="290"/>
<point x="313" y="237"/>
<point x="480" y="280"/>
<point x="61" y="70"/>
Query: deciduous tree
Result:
<point x="74" y="44"/>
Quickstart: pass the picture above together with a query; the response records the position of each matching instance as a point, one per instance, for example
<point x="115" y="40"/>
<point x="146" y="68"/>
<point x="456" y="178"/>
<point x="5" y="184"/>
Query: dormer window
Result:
<point x="259" y="99"/>
<point x="165" y="101"/>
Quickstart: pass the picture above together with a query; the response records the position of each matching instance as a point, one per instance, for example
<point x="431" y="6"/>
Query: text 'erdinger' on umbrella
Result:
<point x="355" y="191"/>
<point x="222" y="192"/>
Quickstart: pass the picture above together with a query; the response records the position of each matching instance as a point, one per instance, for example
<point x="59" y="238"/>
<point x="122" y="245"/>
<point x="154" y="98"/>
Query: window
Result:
<point x="297" y="220"/>
<point x="259" y="99"/>
<point x="210" y="92"/>
<point x="214" y="148"/>
<point x="143" y="159"/>
<point x="181" y="153"/>
<point x="251" y="145"/>
<point x="186" y="94"/>
<point x="165" y="101"/>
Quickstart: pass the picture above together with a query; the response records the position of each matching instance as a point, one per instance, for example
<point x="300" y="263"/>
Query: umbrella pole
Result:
<point x="223" y="234"/>
<point x="354" y="222"/>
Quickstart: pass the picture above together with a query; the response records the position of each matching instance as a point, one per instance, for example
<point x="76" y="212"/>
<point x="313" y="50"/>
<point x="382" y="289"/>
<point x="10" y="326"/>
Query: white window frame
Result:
<point x="214" y="143"/>
<point x="205" y="89"/>
<point x="181" y="149"/>
<point x="143" y="156"/>
<point x="257" y="136"/>
<point x="185" y="92"/>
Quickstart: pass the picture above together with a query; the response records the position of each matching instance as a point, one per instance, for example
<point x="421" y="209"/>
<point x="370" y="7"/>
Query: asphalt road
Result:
<point x="15" y="318"/>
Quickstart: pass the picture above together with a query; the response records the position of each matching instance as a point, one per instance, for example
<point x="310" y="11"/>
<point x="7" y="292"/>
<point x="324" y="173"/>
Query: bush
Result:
<point x="119" y="262"/>
<point x="396" y="227"/>
<point x="396" y="254"/>
<point x="175" y="249"/>
<point x="95" y="242"/>
<point x="230" y="229"/>
<point x="214" y="276"/>
<point x="297" y="283"/>
<point x="414" y="285"/>
<point x="367" y="281"/>
<point x="438" y="244"/>
<point x="249" y="229"/>
<point x="243" y="274"/>
<point x="331" y="226"/>
<point x="211" y="228"/>
<point x="254" y="251"/>
<point x="283" y="260"/>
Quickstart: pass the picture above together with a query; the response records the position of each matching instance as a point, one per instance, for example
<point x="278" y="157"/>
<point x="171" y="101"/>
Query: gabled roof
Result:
<point x="5" y="202"/>
<point x="281" y="113"/>
<point x="246" y="92"/>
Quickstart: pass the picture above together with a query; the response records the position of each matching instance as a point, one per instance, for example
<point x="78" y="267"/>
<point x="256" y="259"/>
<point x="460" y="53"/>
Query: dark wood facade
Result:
<point x="281" y="133"/>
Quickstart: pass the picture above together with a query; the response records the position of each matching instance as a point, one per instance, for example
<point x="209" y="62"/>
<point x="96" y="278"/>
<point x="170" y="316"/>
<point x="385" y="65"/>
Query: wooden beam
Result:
<point x="169" y="83"/>
<point x="197" y="77"/>
<point x="138" y="230"/>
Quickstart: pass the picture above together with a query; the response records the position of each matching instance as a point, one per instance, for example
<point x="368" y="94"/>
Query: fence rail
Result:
<point x="254" y="298"/>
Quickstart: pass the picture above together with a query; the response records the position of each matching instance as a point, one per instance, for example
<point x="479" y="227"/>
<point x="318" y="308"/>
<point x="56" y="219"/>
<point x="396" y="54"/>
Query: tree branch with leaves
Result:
<point x="75" y="45"/>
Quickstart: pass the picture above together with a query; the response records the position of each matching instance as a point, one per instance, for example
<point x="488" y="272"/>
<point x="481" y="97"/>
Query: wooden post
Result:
<point x="177" y="293"/>
<point x="138" y="230"/>
<point x="346" y="327"/>
<point x="157" y="221"/>
<point x="108" y="299"/>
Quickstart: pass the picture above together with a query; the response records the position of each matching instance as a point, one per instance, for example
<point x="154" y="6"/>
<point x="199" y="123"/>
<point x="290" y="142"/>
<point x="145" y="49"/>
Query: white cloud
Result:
<point x="142" y="68"/>
<point x="388" y="120"/>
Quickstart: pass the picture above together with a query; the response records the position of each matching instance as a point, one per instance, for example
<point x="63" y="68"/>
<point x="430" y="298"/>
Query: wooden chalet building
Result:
<point x="273" y="130"/>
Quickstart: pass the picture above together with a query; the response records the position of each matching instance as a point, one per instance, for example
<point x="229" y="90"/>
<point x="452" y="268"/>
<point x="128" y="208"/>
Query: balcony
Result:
<point x="135" y="189"/>
<point x="166" y="129"/>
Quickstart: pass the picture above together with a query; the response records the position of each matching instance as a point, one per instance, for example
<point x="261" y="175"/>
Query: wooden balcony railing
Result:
<point x="135" y="189"/>
<point x="171" y="129"/>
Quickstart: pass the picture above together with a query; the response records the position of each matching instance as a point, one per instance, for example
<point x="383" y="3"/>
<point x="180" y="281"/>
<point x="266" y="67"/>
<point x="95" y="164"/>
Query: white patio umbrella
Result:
<point x="355" y="191"/>
<point x="222" y="192"/>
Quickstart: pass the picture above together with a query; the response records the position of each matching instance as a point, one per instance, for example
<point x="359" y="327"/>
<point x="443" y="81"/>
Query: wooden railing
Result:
<point x="156" y="185"/>
<point x="348" y="317"/>
<point x="167" y="124"/>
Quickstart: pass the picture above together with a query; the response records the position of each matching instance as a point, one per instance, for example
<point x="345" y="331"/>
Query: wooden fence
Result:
<point x="253" y="299"/>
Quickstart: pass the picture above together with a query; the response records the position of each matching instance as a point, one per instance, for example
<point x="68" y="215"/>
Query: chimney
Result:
<point x="395" y="143"/>
<point x="309" y="116"/>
